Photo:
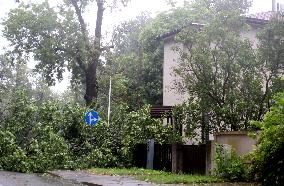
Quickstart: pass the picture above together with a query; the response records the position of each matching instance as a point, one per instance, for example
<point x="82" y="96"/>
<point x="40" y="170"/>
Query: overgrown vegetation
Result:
<point x="266" y="163"/>
<point x="229" y="79"/>
<point x="230" y="82"/>
<point x="53" y="135"/>
<point x="44" y="122"/>
<point x="268" y="159"/>
<point x="229" y="165"/>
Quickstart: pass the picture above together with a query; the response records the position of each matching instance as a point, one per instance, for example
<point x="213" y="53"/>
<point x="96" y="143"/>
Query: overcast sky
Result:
<point x="132" y="10"/>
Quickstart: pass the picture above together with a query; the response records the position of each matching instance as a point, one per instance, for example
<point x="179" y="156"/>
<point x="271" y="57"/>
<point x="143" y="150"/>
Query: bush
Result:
<point x="102" y="157"/>
<point x="48" y="151"/>
<point x="268" y="159"/>
<point x="53" y="135"/>
<point x="229" y="165"/>
<point x="12" y="157"/>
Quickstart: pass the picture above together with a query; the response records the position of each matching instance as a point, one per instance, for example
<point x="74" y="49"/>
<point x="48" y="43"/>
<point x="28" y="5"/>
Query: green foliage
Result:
<point x="53" y="135"/>
<point x="12" y="157"/>
<point x="229" y="82"/>
<point x="165" y="22"/>
<point x="268" y="159"/>
<point x="39" y="29"/>
<point x="229" y="165"/>
<point x="136" y="72"/>
<point x="32" y="127"/>
<point x="47" y="151"/>
<point x="59" y="39"/>
<point x="16" y="76"/>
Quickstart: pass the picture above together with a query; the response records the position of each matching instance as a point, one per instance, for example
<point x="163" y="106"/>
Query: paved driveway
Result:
<point x="21" y="179"/>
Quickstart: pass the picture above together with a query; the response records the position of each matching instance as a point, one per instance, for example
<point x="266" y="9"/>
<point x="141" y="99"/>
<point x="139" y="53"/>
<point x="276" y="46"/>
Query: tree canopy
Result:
<point x="60" y="40"/>
<point x="228" y="81"/>
<point x="267" y="161"/>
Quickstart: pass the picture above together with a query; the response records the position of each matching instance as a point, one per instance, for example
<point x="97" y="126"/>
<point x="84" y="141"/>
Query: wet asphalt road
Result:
<point x="20" y="179"/>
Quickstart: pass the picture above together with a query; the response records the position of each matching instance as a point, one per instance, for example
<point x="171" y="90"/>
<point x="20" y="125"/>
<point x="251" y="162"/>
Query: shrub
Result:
<point x="48" y="151"/>
<point x="268" y="159"/>
<point x="12" y="157"/>
<point x="102" y="157"/>
<point x="229" y="165"/>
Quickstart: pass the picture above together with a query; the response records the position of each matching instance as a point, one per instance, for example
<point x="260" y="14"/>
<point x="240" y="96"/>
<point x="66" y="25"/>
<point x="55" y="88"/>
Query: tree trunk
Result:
<point x="91" y="84"/>
<point x="91" y="73"/>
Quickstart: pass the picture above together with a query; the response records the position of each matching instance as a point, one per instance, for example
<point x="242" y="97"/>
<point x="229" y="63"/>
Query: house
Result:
<point x="171" y="97"/>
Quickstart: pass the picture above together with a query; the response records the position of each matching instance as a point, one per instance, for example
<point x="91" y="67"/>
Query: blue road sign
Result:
<point x="92" y="118"/>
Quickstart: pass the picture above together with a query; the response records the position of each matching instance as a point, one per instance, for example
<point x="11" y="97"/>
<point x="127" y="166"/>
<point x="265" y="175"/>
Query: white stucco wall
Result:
<point x="171" y="96"/>
<point x="251" y="35"/>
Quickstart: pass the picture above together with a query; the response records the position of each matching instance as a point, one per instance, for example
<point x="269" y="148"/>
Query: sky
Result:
<point x="134" y="8"/>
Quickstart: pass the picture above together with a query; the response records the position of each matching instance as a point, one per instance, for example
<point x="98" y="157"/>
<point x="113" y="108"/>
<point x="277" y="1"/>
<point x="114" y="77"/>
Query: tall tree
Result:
<point x="59" y="38"/>
<point x="16" y="77"/>
<point x="141" y="67"/>
<point x="228" y="82"/>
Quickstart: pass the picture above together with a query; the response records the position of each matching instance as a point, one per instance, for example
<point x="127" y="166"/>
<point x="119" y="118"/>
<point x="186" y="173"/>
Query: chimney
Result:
<point x="273" y="5"/>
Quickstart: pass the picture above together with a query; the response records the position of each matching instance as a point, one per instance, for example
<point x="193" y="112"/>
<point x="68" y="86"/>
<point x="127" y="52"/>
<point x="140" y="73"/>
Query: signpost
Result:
<point x="92" y="118"/>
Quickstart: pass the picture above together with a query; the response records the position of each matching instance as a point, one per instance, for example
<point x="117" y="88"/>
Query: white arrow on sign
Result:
<point x="92" y="118"/>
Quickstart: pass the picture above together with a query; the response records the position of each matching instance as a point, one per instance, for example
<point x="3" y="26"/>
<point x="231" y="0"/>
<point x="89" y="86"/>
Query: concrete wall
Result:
<point x="238" y="140"/>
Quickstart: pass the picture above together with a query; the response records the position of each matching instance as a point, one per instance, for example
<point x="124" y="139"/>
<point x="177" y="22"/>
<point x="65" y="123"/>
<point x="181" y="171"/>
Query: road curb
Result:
<point x="53" y="174"/>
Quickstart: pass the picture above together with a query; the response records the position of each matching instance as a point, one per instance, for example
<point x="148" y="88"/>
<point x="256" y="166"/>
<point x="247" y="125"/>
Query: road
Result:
<point x="73" y="178"/>
<point x="20" y="179"/>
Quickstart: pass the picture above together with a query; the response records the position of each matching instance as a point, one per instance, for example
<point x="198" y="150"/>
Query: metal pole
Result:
<point x="109" y="94"/>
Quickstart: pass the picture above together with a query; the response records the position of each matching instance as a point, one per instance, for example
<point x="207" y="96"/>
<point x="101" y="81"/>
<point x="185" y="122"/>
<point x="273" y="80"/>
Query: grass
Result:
<point x="159" y="177"/>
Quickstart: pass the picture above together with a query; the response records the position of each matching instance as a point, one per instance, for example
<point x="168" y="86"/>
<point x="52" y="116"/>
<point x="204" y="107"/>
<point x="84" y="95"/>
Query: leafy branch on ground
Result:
<point x="53" y="135"/>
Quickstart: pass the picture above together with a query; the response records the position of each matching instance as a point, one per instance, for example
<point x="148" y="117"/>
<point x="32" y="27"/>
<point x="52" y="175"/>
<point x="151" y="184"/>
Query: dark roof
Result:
<point x="258" y="19"/>
<point x="177" y="30"/>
